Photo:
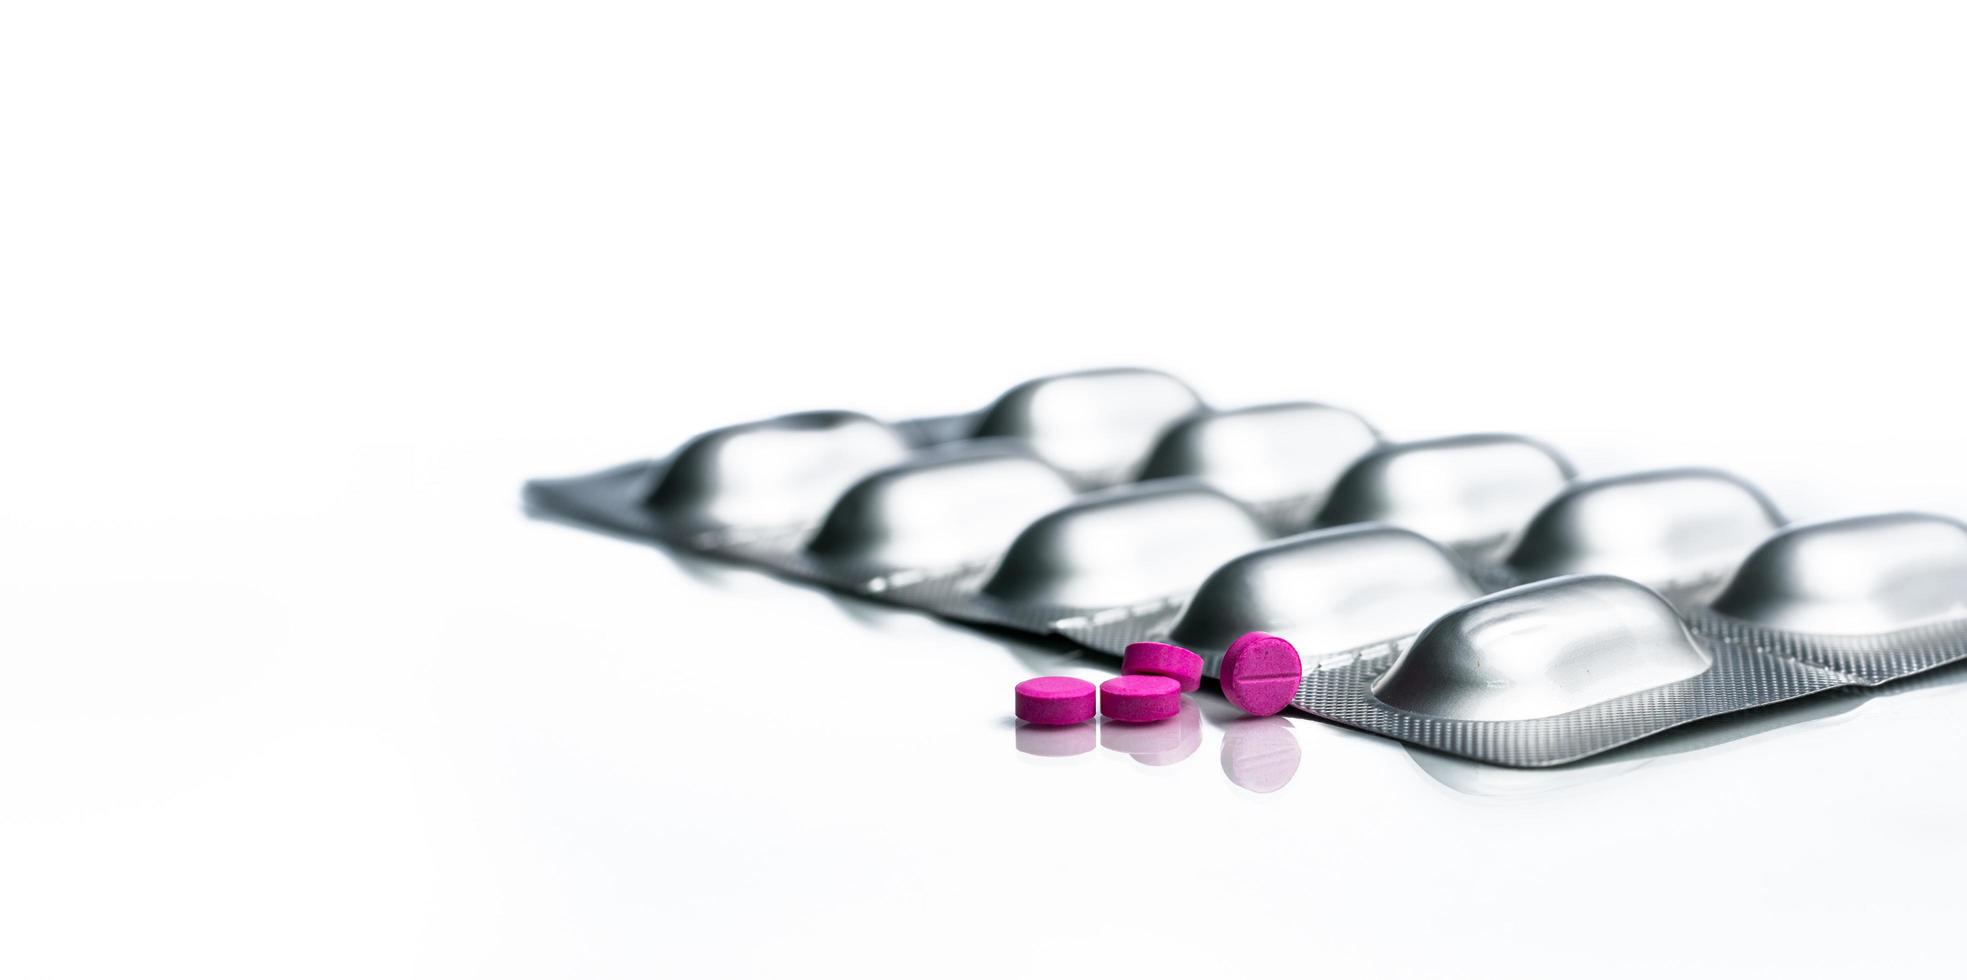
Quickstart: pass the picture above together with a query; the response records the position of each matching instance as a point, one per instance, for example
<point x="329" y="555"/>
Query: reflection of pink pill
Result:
<point x="1056" y="741"/>
<point x="1260" y="754"/>
<point x="1140" y="697"/>
<point x="1163" y="659"/>
<point x="1157" y="743"/>
<point x="1055" y="700"/>
<point x="1261" y="673"/>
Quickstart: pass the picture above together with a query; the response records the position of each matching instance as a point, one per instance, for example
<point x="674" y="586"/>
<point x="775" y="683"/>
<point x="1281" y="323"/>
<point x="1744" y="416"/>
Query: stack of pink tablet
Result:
<point x="1259" y="674"/>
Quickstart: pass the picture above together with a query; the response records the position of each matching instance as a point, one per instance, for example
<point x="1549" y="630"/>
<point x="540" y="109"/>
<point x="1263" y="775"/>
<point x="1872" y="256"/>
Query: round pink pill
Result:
<point x="1164" y="660"/>
<point x="1140" y="697"/>
<point x="1261" y="673"/>
<point x="1055" y="701"/>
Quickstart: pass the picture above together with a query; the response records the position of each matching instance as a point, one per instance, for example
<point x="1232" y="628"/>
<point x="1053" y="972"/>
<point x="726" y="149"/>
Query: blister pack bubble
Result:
<point x="1465" y="593"/>
<point x="1874" y="598"/>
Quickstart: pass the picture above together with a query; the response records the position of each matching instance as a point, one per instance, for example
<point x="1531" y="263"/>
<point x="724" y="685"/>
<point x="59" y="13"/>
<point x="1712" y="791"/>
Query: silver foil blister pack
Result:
<point x="1074" y="497"/>
<point x="1467" y="594"/>
<point x="1873" y="598"/>
<point x="1563" y="668"/>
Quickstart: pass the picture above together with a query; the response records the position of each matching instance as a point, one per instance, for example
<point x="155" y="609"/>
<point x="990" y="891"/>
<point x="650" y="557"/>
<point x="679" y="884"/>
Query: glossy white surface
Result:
<point x="403" y="729"/>
<point x="296" y="295"/>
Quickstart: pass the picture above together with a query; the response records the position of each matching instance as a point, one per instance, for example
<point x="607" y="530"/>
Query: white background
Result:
<point x="295" y="296"/>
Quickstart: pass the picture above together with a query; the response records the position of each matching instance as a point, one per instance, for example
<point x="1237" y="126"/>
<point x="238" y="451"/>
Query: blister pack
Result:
<point x="1679" y="532"/>
<point x="1873" y="598"/>
<point x="1560" y="669"/>
<point x="1070" y="497"/>
<point x="1469" y="594"/>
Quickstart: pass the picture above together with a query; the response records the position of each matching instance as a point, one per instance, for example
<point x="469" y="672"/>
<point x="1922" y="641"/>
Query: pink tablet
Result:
<point x="1261" y="673"/>
<point x="1055" y="701"/>
<point x="1140" y="697"/>
<point x="1165" y="660"/>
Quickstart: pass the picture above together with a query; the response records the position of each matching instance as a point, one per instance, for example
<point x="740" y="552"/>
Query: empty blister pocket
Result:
<point x="1874" y="598"/>
<point x="1549" y="672"/>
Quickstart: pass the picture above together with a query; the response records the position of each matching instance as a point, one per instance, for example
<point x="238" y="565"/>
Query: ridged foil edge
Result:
<point x="1863" y="659"/>
<point x="1339" y="689"/>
